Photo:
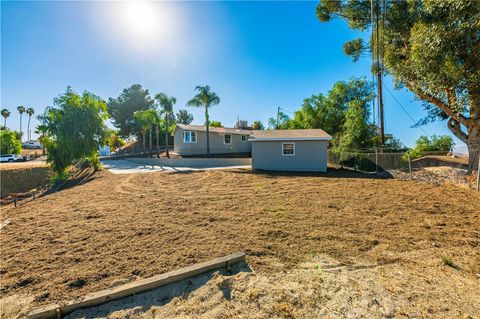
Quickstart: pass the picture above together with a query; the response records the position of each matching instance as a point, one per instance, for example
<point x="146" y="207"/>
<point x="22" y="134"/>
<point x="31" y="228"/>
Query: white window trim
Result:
<point x="283" y="154"/>
<point x="241" y="138"/>
<point x="230" y="139"/>
<point x="185" y="133"/>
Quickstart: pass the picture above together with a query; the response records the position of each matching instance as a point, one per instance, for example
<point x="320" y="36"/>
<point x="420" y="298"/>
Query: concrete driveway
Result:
<point x="128" y="167"/>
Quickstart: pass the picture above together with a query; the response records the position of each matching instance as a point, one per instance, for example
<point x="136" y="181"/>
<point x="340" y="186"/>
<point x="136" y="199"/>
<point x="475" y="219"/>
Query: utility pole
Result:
<point x="278" y="117"/>
<point x="379" y="69"/>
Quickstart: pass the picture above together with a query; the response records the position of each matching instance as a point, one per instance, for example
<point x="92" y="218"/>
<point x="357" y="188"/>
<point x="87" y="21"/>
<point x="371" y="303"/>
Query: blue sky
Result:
<point x="255" y="55"/>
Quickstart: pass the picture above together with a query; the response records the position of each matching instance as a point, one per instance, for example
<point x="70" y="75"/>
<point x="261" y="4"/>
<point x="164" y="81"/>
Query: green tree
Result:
<point x="216" y="124"/>
<point x="74" y="129"/>
<point x="29" y="111"/>
<point x="431" y="47"/>
<point x="9" y="142"/>
<point x="142" y="122"/>
<point x="205" y="98"/>
<point x="42" y="131"/>
<point x="5" y="114"/>
<point x="122" y="108"/>
<point x="184" y="117"/>
<point x="282" y="122"/>
<point x="258" y="125"/>
<point x="166" y="103"/>
<point x="21" y="110"/>
<point x="356" y="132"/>
<point x="328" y="112"/>
<point x="443" y="143"/>
<point x="114" y="141"/>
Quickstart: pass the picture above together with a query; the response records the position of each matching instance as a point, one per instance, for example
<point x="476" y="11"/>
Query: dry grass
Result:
<point x="121" y="227"/>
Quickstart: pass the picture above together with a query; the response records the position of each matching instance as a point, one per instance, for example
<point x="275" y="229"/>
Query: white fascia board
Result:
<point x="289" y="139"/>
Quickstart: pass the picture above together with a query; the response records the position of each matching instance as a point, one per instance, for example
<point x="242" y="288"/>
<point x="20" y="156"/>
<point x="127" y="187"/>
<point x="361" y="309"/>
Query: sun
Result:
<point x="141" y="18"/>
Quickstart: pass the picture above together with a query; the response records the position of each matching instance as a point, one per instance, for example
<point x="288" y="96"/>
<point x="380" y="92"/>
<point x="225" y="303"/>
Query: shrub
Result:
<point x="9" y="142"/>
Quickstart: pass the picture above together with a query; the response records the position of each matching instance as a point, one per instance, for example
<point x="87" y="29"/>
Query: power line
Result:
<point x="404" y="110"/>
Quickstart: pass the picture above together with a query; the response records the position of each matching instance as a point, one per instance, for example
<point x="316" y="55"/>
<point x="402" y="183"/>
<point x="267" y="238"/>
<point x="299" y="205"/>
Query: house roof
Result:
<point x="289" y="135"/>
<point x="224" y="130"/>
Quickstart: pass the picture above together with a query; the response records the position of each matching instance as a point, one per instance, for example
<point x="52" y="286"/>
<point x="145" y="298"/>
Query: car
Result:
<point x="11" y="158"/>
<point x="32" y="145"/>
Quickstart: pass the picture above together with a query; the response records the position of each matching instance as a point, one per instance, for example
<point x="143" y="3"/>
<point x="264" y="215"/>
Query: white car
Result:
<point x="11" y="158"/>
<point x="32" y="144"/>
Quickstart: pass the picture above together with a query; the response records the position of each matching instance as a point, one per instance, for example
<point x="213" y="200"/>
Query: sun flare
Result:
<point x="141" y="18"/>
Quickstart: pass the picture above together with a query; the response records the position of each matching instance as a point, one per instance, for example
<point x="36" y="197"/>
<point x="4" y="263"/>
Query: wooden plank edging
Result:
<point x="100" y="297"/>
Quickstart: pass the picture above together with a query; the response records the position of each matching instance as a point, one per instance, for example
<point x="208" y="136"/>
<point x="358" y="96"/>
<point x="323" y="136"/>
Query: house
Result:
<point x="290" y="150"/>
<point x="191" y="140"/>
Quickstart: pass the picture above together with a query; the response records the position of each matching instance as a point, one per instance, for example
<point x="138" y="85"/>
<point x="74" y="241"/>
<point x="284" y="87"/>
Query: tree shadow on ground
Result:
<point x="331" y="173"/>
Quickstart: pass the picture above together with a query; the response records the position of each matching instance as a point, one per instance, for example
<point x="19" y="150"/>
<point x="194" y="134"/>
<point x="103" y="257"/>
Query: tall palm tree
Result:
<point x="205" y="98"/>
<point x="5" y="114"/>
<point x="141" y="123"/>
<point x="21" y="110"/>
<point x="30" y="111"/>
<point x="144" y="121"/>
<point x="166" y="103"/>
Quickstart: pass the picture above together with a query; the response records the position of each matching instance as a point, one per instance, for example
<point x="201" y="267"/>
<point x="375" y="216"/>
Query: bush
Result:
<point x="9" y="142"/>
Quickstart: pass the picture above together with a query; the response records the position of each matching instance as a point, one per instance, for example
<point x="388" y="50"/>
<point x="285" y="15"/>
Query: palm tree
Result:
<point x="30" y="111"/>
<point x="205" y="98"/>
<point x="144" y="121"/>
<point x="141" y="122"/>
<point x="21" y="110"/>
<point x="166" y="104"/>
<point x="42" y="130"/>
<point x="5" y="114"/>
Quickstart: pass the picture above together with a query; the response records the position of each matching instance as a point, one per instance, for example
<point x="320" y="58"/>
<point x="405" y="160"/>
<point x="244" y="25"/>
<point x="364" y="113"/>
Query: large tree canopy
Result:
<point x="432" y="47"/>
<point x="344" y="113"/>
<point x="74" y="129"/>
<point x="121" y="109"/>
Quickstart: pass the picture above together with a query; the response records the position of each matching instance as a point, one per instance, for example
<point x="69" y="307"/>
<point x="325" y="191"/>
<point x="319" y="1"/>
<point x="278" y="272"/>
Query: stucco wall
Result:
<point x="310" y="156"/>
<point x="216" y="144"/>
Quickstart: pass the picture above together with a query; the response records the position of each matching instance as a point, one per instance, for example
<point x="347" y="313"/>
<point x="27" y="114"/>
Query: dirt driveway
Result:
<point x="408" y="249"/>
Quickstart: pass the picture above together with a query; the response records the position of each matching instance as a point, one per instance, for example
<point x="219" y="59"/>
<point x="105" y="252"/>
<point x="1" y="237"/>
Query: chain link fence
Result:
<point x="431" y="167"/>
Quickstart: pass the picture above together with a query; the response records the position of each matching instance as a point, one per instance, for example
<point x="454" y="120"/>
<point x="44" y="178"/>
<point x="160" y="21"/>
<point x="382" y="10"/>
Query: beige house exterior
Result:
<point x="191" y="140"/>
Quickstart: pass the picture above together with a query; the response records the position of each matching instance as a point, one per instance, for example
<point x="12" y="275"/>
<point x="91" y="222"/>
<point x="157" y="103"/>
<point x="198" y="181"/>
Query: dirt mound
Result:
<point x="24" y="179"/>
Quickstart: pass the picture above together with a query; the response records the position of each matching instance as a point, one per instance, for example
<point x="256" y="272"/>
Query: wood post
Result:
<point x="100" y="297"/>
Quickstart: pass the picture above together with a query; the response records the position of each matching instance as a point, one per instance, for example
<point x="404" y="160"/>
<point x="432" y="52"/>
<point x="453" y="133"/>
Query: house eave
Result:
<point x="289" y="139"/>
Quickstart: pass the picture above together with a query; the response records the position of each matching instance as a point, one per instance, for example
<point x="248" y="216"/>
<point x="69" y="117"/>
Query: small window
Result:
<point x="288" y="149"/>
<point x="227" y="139"/>
<point x="189" y="137"/>
<point x="244" y="138"/>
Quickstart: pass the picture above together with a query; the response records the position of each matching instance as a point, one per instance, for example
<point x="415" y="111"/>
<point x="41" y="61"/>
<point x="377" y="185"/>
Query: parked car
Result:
<point x="12" y="158"/>
<point x="32" y="145"/>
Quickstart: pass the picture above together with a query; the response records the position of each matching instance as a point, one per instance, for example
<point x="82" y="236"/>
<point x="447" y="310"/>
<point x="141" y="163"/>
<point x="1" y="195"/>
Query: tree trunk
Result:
<point x="208" y="132"/>
<point x="21" y="133"/>
<point x="157" y="142"/>
<point x="144" y="142"/>
<point x="28" y="129"/>
<point x="150" y="142"/>
<point x="5" y="122"/>
<point x="472" y="139"/>
<point x="166" y="135"/>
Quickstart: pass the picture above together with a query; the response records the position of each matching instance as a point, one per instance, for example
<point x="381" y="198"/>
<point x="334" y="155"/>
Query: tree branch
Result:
<point x="438" y="103"/>
<point x="454" y="126"/>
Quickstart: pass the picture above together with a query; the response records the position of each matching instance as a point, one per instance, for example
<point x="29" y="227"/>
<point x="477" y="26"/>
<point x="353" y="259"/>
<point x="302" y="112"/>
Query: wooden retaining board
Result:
<point x="100" y="297"/>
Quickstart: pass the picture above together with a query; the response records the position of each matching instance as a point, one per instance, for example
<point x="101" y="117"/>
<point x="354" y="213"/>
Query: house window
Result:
<point x="288" y="149"/>
<point x="227" y="139"/>
<point x="189" y="137"/>
<point x="244" y="138"/>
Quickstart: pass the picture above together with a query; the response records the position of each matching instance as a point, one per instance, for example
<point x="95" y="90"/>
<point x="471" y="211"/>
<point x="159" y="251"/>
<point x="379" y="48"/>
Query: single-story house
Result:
<point x="191" y="140"/>
<point x="290" y="150"/>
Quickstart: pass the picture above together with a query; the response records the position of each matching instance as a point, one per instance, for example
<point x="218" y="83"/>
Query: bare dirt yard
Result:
<point x="336" y="245"/>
